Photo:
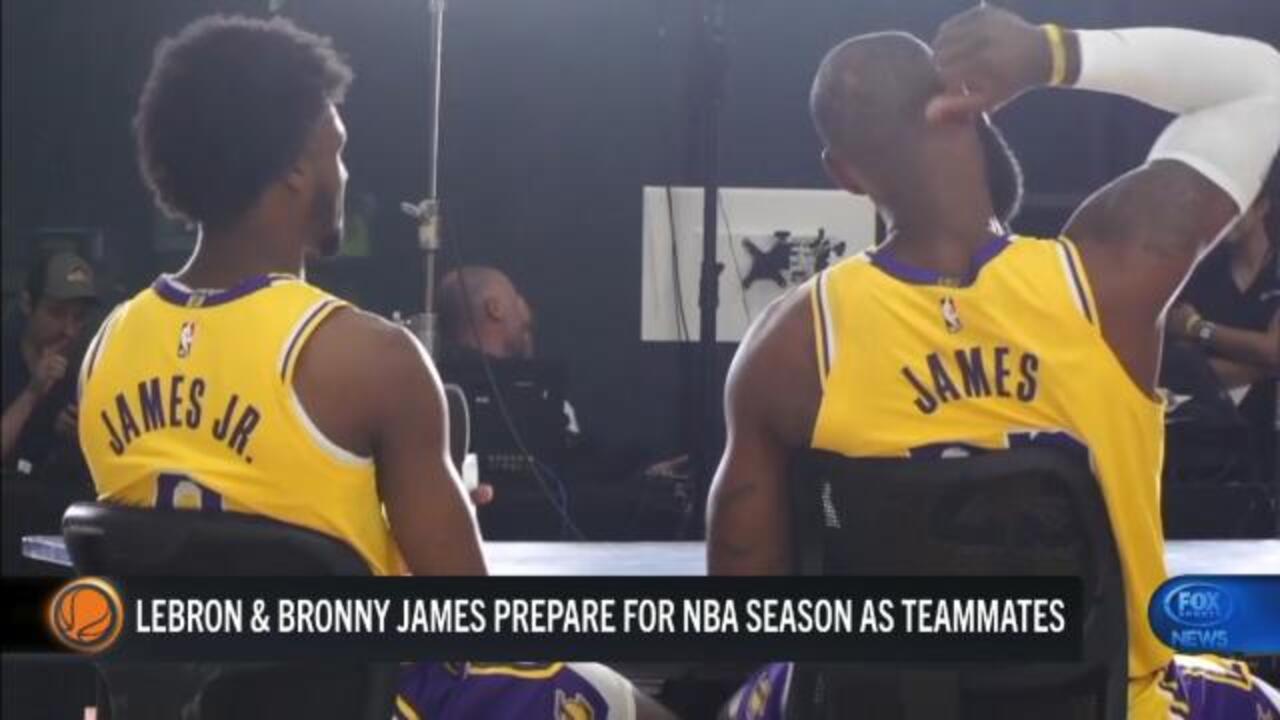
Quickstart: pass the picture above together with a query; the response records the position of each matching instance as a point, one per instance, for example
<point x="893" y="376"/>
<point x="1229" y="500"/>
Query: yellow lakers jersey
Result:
<point x="187" y="401"/>
<point x="914" y="365"/>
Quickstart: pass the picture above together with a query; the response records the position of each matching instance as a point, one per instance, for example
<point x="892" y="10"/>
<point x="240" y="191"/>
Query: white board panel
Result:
<point x="790" y="229"/>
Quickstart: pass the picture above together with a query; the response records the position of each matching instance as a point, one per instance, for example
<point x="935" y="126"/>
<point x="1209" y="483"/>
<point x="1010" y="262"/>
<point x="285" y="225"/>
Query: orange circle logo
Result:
<point x="86" y="614"/>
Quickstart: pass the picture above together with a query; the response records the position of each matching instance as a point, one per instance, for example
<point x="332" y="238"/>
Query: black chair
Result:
<point x="1028" y="511"/>
<point x="1216" y="511"/>
<point x="121" y="541"/>
<point x="1215" y="484"/>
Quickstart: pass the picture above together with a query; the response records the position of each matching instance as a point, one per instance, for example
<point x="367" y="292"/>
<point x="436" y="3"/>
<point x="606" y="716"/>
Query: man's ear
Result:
<point x="296" y="178"/>
<point x="493" y="308"/>
<point x="840" y="174"/>
<point x="955" y="105"/>
<point x="299" y="176"/>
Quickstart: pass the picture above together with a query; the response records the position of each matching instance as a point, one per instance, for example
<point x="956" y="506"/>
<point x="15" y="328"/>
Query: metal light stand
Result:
<point x="427" y="210"/>
<point x="707" y="413"/>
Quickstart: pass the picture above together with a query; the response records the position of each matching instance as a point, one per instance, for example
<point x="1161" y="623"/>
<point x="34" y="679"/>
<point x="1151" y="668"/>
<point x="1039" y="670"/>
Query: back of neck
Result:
<point x="225" y="259"/>
<point x="938" y="223"/>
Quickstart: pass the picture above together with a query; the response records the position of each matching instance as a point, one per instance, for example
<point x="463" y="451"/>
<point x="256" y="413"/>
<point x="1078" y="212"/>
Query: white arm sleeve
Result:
<point x="1226" y="90"/>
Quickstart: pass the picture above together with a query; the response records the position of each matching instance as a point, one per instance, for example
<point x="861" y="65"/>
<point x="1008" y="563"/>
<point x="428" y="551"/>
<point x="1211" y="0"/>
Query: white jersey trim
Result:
<point x="617" y="691"/>
<point x="1073" y="288"/>
<point x="289" y="353"/>
<point x="829" y="324"/>
<point x="334" y="450"/>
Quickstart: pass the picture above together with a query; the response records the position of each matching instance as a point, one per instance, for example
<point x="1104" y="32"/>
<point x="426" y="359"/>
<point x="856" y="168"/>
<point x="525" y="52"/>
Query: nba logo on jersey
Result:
<point x="186" y="336"/>
<point x="950" y="315"/>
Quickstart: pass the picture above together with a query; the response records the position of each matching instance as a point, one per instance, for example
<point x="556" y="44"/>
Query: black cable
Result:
<point x="683" y="322"/>
<point x="563" y="492"/>
<point x="733" y="253"/>
<point x="681" y="318"/>
<point x="543" y="485"/>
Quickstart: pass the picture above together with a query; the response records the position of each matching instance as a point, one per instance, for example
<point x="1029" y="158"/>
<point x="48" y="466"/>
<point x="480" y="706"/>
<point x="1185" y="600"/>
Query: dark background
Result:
<point x="556" y="112"/>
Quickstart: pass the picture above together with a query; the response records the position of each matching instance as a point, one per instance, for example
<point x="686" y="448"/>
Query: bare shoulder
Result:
<point x="359" y="374"/>
<point x="774" y="376"/>
<point x="353" y="345"/>
<point x="787" y="317"/>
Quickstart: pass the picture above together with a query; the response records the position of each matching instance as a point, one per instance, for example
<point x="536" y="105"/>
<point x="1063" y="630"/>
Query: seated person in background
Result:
<point x="1231" y="310"/>
<point x="486" y="325"/>
<point x="44" y="468"/>
<point x="39" y="391"/>
<point x="1055" y="340"/>
<point x="482" y="313"/>
<point x="235" y="385"/>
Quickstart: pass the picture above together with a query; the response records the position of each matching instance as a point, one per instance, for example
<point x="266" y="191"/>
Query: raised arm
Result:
<point x="771" y="402"/>
<point x="1140" y="235"/>
<point x="50" y="369"/>
<point x="370" y="388"/>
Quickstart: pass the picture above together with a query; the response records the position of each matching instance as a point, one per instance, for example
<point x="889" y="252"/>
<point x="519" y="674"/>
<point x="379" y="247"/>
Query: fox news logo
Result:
<point x="1198" y="609"/>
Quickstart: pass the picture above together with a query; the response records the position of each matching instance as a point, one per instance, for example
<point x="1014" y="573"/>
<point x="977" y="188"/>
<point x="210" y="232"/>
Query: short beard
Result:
<point x="328" y="228"/>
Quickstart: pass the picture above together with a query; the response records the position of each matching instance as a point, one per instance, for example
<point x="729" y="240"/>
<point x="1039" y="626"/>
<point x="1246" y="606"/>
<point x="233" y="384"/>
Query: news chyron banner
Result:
<point x="828" y="619"/>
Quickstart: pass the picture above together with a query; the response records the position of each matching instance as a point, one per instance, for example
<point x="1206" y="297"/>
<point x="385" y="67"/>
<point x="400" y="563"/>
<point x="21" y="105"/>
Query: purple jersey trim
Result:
<point x="920" y="276"/>
<point x="1076" y="283"/>
<point x="302" y="329"/>
<point x="172" y="292"/>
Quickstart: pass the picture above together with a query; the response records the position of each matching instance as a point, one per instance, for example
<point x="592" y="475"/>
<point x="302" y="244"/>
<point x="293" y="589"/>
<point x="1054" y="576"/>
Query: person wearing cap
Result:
<point x="39" y="393"/>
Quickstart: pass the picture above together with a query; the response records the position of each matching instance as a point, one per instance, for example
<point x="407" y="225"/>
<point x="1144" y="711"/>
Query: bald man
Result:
<point x="483" y="313"/>
<point x="956" y="334"/>
<point x="481" y="310"/>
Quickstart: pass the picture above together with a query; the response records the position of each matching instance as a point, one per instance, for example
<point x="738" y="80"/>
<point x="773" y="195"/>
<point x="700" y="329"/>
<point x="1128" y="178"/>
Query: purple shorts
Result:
<point x="512" y="691"/>
<point x="1210" y="688"/>
<point x="1192" y="687"/>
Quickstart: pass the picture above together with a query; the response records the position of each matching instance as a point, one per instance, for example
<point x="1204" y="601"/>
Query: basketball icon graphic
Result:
<point x="86" y="614"/>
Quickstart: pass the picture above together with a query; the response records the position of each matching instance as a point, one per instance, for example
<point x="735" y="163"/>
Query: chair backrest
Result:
<point x="105" y="539"/>
<point x="1027" y="511"/>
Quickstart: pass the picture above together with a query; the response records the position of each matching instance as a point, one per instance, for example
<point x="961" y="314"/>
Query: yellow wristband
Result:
<point x="1058" y="51"/>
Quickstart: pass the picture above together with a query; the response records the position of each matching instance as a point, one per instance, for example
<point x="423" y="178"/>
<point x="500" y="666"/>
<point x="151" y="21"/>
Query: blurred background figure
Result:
<point x="586" y="486"/>
<point x="483" y="316"/>
<point x="1221" y="362"/>
<point x="40" y="360"/>
<point x="1230" y="310"/>
<point x="481" y="311"/>
<point x="486" y="329"/>
<point x="42" y="345"/>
